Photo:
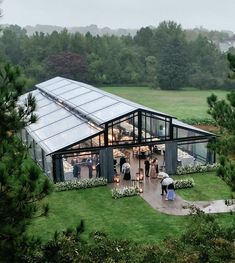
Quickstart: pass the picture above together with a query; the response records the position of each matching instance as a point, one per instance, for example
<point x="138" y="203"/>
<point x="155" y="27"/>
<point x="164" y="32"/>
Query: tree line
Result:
<point x="165" y="57"/>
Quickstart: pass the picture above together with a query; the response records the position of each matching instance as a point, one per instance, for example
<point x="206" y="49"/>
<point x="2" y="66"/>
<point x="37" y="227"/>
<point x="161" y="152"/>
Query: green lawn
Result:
<point x="181" y="104"/>
<point x="207" y="187"/>
<point x="127" y="218"/>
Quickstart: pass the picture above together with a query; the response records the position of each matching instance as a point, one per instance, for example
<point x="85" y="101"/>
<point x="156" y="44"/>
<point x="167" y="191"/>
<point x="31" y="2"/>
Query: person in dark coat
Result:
<point x="98" y="174"/>
<point x="146" y="167"/>
<point x="77" y="171"/>
<point x="122" y="161"/>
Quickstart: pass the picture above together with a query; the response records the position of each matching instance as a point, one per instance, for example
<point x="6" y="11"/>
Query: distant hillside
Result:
<point x="93" y="29"/>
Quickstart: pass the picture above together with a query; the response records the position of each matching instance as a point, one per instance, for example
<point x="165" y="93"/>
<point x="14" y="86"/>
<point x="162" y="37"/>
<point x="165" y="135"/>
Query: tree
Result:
<point x="223" y="112"/>
<point x="20" y="182"/>
<point x="151" y="71"/>
<point x="170" y="49"/>
<point x="173" y="65"/>
<point x="68" y="65"/>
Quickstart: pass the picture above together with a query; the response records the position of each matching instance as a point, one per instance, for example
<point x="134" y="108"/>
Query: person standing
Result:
<point x="153" y="173"/>
<point x="156" y="166"/>
<point x="126" y="170"/>
<point x="146" y="167"/>
<point x="164" y="184"/>
<point x="122" y="161"/>
<point x="170" y="192"/>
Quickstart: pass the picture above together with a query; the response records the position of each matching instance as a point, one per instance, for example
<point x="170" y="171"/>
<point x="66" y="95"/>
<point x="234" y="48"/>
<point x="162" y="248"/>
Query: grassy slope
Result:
<point x="181" y="104"/>
<point x="126" y="218"/>
<point x="207" y="187"/>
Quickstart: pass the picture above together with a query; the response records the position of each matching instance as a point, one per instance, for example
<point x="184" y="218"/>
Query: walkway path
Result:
<point x="152" y="195"/>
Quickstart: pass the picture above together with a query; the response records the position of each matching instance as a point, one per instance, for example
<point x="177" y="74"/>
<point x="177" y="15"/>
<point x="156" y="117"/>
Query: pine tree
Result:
<point x="21" y="183"/>
<point x="223" y="112"/>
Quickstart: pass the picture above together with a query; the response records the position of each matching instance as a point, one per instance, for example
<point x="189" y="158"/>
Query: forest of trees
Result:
<point x="165" y="57"/>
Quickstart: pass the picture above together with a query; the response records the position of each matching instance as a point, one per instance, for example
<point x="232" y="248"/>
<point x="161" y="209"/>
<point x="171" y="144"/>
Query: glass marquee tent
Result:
<point x="79" y="127"/>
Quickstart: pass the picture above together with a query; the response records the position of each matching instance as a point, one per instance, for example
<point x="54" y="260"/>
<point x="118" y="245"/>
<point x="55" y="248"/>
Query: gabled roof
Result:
<point x="93" y="103"/>
<point x="69" y="112"/>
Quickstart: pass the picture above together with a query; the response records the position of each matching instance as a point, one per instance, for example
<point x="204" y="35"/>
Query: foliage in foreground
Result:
<point x="21" y="185"/>
<point x="204" y="241"/>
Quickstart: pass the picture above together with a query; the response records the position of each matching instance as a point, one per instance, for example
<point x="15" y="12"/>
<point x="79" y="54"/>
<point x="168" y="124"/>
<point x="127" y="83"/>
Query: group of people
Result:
<point x="151" y="168"/>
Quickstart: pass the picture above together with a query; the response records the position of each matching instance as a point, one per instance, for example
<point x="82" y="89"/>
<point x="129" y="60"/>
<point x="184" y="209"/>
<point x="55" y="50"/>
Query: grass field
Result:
<point x="181" y="104"/>
<point x="207" y="187"/>
<point x="127" y="218"/>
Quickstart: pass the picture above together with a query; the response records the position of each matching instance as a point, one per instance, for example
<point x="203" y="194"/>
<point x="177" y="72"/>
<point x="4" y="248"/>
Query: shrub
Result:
<point x="198" y="168"/>
<point x="124" y="192"/>
<point x="80" y="184"/>
<point x="185" y="183"/>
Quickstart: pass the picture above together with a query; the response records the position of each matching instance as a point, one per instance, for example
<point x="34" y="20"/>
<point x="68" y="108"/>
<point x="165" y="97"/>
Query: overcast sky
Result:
<point x="211" y="14"/>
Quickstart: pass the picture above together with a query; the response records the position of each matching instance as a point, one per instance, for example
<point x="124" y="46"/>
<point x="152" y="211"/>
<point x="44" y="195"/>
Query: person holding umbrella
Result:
<point x="170" y="192"/>
<point x="166" y="180"/>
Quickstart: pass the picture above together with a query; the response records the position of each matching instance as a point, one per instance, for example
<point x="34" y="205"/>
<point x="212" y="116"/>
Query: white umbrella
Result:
<point x="163" y="174"/>
<point x="167" y="181"/>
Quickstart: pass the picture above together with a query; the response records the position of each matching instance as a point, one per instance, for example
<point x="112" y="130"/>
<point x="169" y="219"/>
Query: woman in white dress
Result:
<point x="153" y="173"/>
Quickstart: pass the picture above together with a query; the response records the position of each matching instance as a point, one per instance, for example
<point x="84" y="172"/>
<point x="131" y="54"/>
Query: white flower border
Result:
<point x="80" y="184"/>
<point x="198" y="168"/>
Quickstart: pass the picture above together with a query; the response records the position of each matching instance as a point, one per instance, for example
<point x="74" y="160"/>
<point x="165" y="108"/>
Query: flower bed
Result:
<point x="198" y="168"/>
<point x="185" y="183"/>
<point x="124" y="192"/>
<point x="80" y="184"/>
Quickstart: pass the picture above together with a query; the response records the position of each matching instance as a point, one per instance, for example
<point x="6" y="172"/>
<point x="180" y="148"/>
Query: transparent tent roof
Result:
<point x="93" y="103"/>
<point x="57" y="127"/>
<point x="69" y="111"/>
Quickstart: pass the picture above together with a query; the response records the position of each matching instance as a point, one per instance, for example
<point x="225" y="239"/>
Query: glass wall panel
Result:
<point x="184" y="133"/>
<point x="31" y="146"/>
<point x="83" y="166"/>
<point x="123" y="131"/>
<point x="193" y="153"/>
<point x="48" y="165"/>
<point x="38" y="154"/>
<point x="24" y="136"/>
<point x="155" y="128"/>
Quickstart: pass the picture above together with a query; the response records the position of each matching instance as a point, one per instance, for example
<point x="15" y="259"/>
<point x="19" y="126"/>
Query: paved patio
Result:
<point x="152" y="195"/>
